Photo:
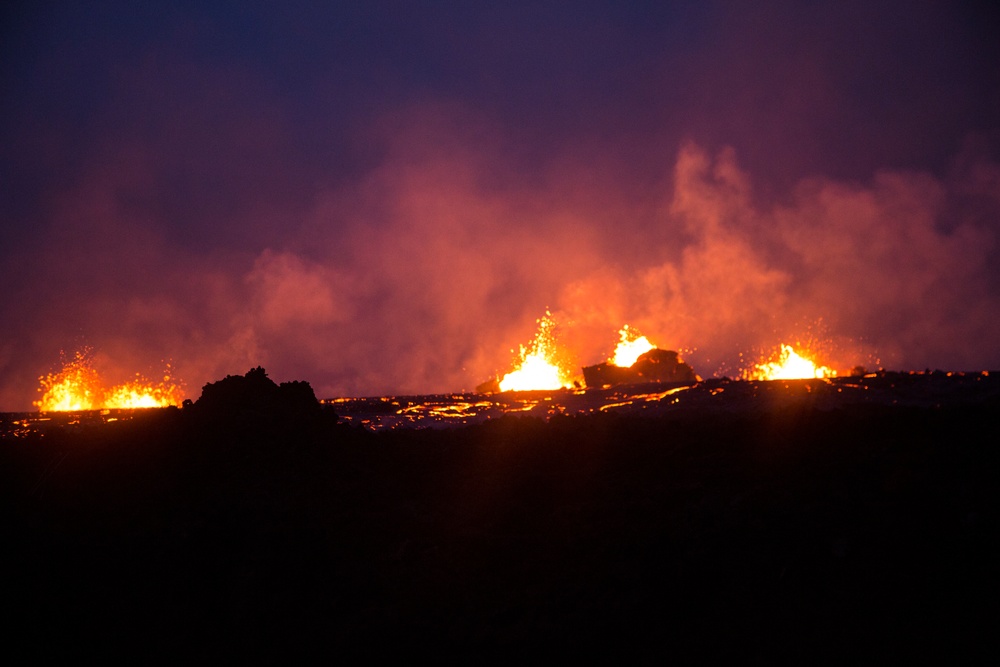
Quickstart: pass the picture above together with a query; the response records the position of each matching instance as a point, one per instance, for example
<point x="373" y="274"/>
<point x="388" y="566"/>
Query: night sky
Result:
<point x="383" y="197"/>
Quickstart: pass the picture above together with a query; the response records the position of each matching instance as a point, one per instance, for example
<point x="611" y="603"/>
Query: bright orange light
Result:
<point x="142" y="393"/>
<point x="78" y="387"/>
<point x="630" y="347"/>
<point x="790" y="365"/>
<point x="538" y="367"/>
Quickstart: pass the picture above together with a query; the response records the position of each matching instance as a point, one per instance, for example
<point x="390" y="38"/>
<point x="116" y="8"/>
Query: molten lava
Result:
<point x="143" y="393"/>
<point x="79" y="387"/>
<point x="630" y="347"/>
<point x="76" y="387"/>
<point x="539" y="367"/>
<point x="790" y="365"/>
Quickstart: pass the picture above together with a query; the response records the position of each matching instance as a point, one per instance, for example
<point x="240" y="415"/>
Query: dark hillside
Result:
<point x="868" y="531"/>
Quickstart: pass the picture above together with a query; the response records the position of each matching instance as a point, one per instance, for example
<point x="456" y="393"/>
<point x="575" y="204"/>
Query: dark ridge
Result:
<point x="783" y="534"/>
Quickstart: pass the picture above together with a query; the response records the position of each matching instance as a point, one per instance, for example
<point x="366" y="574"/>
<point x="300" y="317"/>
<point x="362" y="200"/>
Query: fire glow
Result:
<point x="630" y="347"/>
<point x="539" y="367"/>
<point x="790" y="365"/>
<point x="78" y="386"/>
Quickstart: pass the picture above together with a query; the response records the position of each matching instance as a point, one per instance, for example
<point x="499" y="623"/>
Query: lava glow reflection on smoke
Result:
<point x="78" y="386"/>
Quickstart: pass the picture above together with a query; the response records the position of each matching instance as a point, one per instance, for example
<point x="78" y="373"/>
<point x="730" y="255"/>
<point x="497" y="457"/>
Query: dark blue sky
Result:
<point x="383" y="196"/>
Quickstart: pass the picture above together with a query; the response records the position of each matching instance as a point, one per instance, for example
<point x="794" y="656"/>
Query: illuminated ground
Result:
<point x="653" y="399"/>
<point x="766" y="522"/>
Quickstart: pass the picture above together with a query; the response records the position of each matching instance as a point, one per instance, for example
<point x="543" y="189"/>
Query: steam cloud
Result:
<point x="425" y="257"/>
<point x="421" y="279"/>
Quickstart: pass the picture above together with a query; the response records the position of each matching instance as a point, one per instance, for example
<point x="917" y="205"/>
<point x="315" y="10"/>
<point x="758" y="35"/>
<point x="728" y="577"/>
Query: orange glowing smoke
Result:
<point x="539" y="367"/>
<point x="79" y="387"/>
<point x="790" y="365"/>
<point x="630" y="347"/>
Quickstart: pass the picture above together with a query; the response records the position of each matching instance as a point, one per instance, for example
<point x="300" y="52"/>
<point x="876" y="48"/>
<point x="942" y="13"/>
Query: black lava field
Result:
<point x="819" y="521"/>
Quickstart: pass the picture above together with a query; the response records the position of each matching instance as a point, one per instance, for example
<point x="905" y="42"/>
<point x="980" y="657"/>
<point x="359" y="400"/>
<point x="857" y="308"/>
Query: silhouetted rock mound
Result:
<point x="653" y="366"/>
<point x="251" y="396"/>
<point x="663" y="366"/>
<point x="489" y="387"/>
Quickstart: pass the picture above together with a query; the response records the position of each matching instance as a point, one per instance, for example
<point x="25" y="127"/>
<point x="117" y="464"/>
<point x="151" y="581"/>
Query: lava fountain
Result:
<point x="789" y="365"/>
<point x="144" y="393"/>
<point x="539" y="367"/>
<point x="78" y="386"/>
<point x="630" y="347"/>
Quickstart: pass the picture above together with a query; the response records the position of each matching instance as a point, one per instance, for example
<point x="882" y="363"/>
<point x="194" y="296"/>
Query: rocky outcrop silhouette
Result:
<point x="255" y="397"/>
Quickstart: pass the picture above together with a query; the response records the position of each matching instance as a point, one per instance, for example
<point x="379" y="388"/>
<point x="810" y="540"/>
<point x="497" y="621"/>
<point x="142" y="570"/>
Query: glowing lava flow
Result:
<point x="538" y="368"/>
<point x="78" y="387"/>
<point x="790" y="366"/>
<point x="630" y="347"/>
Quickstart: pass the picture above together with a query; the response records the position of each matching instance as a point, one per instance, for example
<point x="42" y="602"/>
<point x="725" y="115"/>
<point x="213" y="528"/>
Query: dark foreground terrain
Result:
<point x="788" y="533"/>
